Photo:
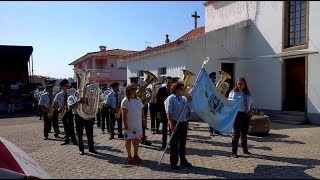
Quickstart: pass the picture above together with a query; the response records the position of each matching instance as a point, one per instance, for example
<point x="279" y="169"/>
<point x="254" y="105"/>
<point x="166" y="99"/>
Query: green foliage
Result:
<point x="257" y="112"/>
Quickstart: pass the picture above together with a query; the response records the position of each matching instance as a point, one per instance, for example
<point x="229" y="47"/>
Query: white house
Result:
<point x="274" y="45"/>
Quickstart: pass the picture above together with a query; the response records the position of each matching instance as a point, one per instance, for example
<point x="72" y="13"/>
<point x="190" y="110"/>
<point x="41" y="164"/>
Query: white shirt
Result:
<point x="60" y="99"/>
<point x="244" y="100"/>
<point x="71" y="100"/>
<point x="45" y="100"/>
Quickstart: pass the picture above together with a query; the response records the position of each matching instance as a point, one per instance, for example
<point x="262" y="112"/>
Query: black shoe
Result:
<point x="158" y="132"/>
<point x="81" y="153"/>
<point x="163" y="146"/>
<point x="74" y="143"/>
<point x="65" y="143"/>
<point x="247" y="152"/>
<point x="98" y="126"/>
<point x="93" y="151"/>
<point x="56" y="136"/>
<point x="218" y="133"/>
<point x="103" y="132"/>
<point x="235" y="156"/>
<point x="45" y="138"/>
<point x="211" y="134"/>
<point x="186" y="164"/>
<point x="174" y="167"/>
<point x="120" y="136"/>
<point x="111" y="137"/>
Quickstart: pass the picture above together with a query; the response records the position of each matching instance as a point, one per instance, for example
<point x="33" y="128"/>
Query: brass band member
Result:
<point x="213" y="77"/>
<point x="162" y="95"/>
<point x="61" y="98"/>
<point x="113" y="100"/>
<point x="155" y="122"/>
<point x="45" y="101"/>
<point x="81" y="124"/>
<point x="105" y="119"/>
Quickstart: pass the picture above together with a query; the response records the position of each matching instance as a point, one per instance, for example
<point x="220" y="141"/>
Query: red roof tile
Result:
<point x="207" y="3"/>
<point x="191" y="34"/>
<point x="163" y="46"/>
<point x="112" y="52"/>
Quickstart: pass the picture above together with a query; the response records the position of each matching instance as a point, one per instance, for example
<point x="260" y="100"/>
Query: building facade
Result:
<point x="103" y="66"/>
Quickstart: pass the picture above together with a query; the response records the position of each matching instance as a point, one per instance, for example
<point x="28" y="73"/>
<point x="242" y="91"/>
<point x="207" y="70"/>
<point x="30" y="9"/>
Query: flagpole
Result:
<point x="172" y="135"/>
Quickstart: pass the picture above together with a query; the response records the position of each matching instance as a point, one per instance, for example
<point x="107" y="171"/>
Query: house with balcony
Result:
<point x="103" y="66"/>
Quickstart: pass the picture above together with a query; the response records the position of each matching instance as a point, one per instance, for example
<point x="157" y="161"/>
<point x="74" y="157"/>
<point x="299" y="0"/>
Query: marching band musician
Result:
<point x="99" y="109"/>
<point x="155" y="122"/>
<point x="241" y="123"/>
<point x="175" y="79"/>
<point x="113" y="98"/>
<point x="213" y="77"/>
<point x="162" y="95"/>
<point x="135" y="80"/>
<point x="105" y="119"/>
<point x="82" y="124"/>
<point x="44" y="105"/>
<point x="61" y="98"/>
<point x="37" y="96"/>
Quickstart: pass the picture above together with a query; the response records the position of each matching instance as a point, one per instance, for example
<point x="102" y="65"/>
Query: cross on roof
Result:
<point x="195" y="16"/>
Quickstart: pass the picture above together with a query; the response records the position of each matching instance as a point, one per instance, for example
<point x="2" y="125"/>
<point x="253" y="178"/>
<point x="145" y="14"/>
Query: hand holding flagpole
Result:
<point x="172" y="135"/>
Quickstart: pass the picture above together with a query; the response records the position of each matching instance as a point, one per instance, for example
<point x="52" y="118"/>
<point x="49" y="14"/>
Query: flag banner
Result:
<point x="211" y="106"/>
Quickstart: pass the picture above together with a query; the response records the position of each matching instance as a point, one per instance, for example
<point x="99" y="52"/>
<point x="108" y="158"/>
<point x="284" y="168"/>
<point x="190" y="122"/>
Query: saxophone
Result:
<point x="143" y="92"/>
<point x="52" y="108"/>
<point x="223" y="86"/>
<point x="186" y="77"/>
<point x="64" y="111"/>
<point x="118" y="109"/>
<point x="90" y="93"/>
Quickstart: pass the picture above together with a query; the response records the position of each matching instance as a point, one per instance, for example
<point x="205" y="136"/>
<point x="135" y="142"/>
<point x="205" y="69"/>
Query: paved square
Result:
<point x="289" y="151"/>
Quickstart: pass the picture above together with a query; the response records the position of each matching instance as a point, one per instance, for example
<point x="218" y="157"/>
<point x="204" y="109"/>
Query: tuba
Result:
<point x="90" y="93"/>
<point x="118" y="106"/>
<point x="186" y="77"/>
<point x="223" y="86"/>
<point x="143" y="92"/>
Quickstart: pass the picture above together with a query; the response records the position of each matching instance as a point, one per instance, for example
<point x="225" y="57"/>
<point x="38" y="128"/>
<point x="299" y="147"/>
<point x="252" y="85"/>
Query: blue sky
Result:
<point x="61" y="32"/>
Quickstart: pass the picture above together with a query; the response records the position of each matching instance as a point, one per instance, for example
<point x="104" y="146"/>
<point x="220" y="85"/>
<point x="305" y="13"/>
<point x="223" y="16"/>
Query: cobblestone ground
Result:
<point x="289" y="151"/>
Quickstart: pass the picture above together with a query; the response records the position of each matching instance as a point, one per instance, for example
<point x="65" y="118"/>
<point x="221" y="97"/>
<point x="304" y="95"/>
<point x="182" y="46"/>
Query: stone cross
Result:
<point x="195" y="16"/>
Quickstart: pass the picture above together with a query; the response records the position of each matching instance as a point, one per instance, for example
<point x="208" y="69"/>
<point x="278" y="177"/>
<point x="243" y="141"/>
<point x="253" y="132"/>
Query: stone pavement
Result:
<point x="289" y="151"/>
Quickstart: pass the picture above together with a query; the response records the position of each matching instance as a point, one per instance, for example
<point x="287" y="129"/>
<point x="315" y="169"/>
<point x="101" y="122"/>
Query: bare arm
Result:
<point x="124" y="118"/>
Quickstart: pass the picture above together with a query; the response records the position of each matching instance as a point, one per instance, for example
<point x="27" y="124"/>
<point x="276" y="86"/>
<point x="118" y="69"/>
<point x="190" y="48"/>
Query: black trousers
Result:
<point x="240" y="129"/>
<point x="99" y="118"/>
<point x="213" y="130"/>
<point x="88" y="126"/>
<point x="68" y="127"/>
<point x="105" y="118"/>
<point x="145" y="111"/>
<point x="164" y="121"/>
<point x="155" y="122"/>
<point x="46" y="124"/>
<point x="178" y="144"/>
<point x="55" y="122"/>
<point x="113" y="121"/>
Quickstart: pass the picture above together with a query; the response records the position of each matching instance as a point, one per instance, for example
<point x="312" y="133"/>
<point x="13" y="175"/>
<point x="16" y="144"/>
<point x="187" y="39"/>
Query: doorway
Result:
<point x="229" y="68"/>
<point x="295" y="84"/>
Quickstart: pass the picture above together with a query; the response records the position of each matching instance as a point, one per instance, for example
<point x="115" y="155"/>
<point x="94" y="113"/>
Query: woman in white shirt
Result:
<point x="241" y="123"/>
<point x="132" y="117"/>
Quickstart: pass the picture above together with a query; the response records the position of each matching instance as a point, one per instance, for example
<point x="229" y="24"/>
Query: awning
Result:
<point x="288" y="54"/>
<point x="278" y="55"/>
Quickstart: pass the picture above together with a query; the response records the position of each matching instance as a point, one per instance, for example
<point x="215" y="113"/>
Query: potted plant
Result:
<point x="259" y="123"/>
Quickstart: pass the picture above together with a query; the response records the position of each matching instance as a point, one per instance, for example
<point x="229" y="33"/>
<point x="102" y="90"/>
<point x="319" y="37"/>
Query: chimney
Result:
<point x="103" y="48"/>
<point x="167" y="38"/>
